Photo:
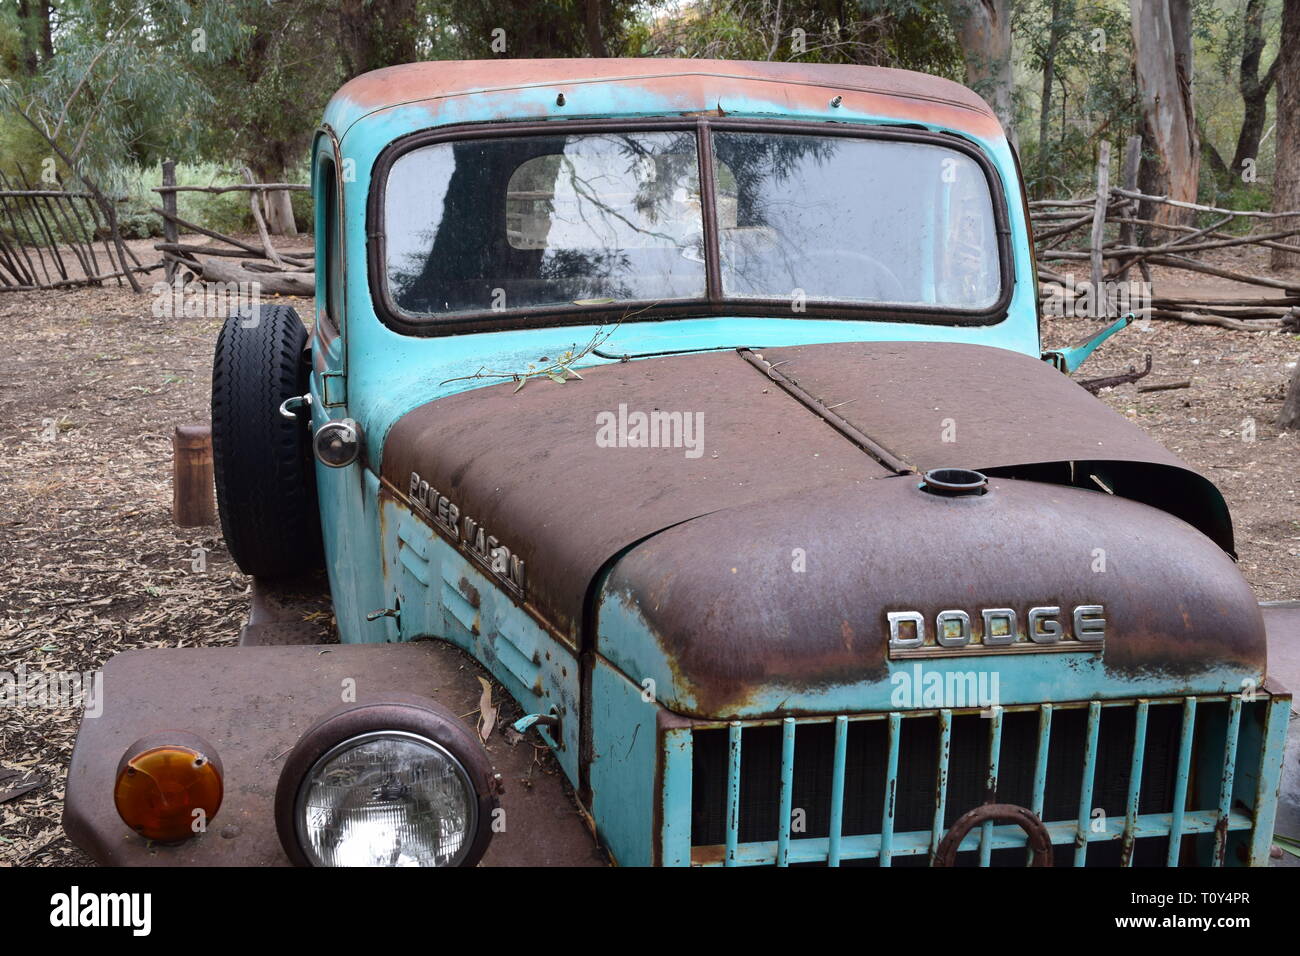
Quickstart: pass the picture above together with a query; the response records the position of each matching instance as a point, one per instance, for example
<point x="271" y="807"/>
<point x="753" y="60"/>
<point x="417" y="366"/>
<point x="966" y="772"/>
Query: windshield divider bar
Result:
<point x="708" y="210"/>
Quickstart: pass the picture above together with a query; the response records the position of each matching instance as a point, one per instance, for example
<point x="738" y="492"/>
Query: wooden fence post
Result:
<point x="170" y="233"/>
<point x="192" y="485"/>
<point x="1290" y="417"/>
<point x="1099" y="216"/>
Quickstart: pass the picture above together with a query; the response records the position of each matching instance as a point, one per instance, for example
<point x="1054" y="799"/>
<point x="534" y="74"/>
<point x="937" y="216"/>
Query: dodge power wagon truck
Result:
<point x="703" y="406"/>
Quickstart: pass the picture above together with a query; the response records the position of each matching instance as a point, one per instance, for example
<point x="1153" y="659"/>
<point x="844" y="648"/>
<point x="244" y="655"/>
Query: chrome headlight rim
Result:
<point x="396" y="715"/>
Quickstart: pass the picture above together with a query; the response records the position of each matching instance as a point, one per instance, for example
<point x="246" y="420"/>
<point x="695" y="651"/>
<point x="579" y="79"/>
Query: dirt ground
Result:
<point x="92" y="384"/>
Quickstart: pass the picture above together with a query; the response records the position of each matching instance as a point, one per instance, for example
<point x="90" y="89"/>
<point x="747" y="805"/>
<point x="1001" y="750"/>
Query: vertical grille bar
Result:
<point x="675" y="796"/>
<point x="837" y="789"/>
<point x="1085" y="788"/>
<point x="991" y="783"/>
<point x="1134" y="781"/>
<point x="891" y="792"/>
<point x="733" y="791"/>
<point x="787" y="792"/>
<point x="1180" y="781"/>
<point x="941" y="781"/>
<point x="1276" y="716"/>
<point x="1229" y="774"/>
<point x="1040" y="768"/>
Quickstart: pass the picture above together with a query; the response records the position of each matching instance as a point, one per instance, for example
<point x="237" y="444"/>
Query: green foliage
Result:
<point x="1093" y="94"/>
<point x="1229" y="193"/>
<point x="908" y="34"/>
<point x="122" y="92"/>
<point x="219" y="86"/>
<point x="11" y="45"/>
<point x="553" y="29"/>
<point x="269" y="89"/>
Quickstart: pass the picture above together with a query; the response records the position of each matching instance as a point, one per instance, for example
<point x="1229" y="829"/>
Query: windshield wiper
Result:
<point x="628" y="356"/>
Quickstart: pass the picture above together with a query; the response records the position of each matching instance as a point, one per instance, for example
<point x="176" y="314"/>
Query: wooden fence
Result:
<point x="1142" y="240"/>
<point x="289" y="273"/>
<point x="49" y="239"/>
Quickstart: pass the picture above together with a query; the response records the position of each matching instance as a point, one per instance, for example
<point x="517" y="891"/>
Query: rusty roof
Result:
<point x="690" y="83"/>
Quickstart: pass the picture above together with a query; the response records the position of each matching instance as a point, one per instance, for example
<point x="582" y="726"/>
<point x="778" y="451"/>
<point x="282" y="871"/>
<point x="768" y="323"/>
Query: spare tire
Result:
<point x="265" y="473"/>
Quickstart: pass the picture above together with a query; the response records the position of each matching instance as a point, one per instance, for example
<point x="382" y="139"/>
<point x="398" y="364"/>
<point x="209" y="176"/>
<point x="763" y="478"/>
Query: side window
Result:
<point x="328" y="236"/>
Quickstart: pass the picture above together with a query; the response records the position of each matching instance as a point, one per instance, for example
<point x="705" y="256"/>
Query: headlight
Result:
<point x="394" y="783"/>
<point x="386" y="799"/>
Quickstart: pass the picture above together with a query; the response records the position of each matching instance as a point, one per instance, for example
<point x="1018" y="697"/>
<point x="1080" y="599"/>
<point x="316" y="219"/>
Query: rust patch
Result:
<point x="510" y="460"/>
<point x="1040" y="841"/>
<point x="731" y="639"/>
<point x="691" y="86"/>
<point x="711" y="539"/>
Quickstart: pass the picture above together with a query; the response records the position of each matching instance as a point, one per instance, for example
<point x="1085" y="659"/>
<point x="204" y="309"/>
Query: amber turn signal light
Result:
<point x="168" y="786"/>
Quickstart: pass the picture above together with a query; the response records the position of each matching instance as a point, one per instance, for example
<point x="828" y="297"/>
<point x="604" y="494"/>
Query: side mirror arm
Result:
<point x="1069" y="359"/>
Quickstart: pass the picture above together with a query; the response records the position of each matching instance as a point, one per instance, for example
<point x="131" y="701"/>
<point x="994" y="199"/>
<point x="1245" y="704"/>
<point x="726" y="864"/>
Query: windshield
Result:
<point x="611" y="218"/>
<point x="859" y="220"/>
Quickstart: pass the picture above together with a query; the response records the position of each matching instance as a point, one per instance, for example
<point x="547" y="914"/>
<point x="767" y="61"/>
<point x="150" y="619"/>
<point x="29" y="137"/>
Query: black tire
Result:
<point x="265" y="473"/>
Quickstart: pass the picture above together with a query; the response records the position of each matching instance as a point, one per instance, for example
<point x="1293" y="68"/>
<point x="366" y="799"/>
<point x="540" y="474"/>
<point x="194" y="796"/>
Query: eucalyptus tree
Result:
<point x="1286" y="175"/>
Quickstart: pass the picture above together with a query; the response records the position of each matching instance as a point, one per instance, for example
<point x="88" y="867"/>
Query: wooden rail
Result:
<point x="1142" y="241"/>
<point x="286" y="273"/>
<point x="48" y="240"/>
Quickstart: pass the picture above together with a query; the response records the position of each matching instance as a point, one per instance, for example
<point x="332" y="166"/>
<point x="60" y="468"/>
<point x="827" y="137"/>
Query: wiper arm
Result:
<point x="628" y="356"/>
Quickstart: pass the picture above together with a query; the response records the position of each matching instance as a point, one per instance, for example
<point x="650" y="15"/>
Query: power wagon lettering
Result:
<point x="445" y="515"/>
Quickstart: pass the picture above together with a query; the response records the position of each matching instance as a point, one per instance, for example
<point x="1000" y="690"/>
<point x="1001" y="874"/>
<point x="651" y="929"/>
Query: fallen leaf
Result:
<point x="487" y="712"/>
<point x="14" y="785"/>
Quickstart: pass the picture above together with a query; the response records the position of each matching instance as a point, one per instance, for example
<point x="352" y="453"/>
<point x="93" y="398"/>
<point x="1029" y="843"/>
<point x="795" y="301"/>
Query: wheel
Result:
<point x="262" y="461"/>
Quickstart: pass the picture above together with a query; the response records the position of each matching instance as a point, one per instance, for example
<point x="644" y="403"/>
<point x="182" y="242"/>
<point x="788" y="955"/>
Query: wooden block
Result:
<point x="193" y="501"/>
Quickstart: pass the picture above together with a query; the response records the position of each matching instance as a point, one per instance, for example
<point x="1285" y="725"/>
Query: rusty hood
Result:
<point x="786" y="613"/>
<point x="818" y="447"/>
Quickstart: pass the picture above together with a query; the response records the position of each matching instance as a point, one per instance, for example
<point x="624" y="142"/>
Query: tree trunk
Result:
<point x="46" y="31"/>
<point x="277" y="209"/>
<point x="1290" y="417"/>
<point x="595" y="42"/>
<point x="1162" y="43"/>
<point x="279" y="213"/>
<point x="377" y="33"/>
<point x="1222" y="174"/>
<point x="1254" y="90"/>
<point x="1286" y="177"/>
<point x="354" y="36"/>
<point x="984" y="31"/>
<point x="27" y="39"/>
<point x="1049" y="77"/>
